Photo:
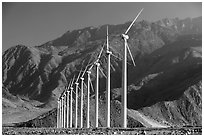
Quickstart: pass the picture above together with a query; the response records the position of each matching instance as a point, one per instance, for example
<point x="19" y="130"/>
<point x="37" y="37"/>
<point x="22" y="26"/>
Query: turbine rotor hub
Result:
<point x="108" y="52"/>
<point x="97" y="64"/>
<point x="82" y="78"/>
<point x="125" y="36"/>
<point x="89" y="72"/>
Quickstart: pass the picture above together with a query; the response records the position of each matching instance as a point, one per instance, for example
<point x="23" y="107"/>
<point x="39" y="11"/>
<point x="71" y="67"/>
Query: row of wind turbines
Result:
<point x="65" y="101"/>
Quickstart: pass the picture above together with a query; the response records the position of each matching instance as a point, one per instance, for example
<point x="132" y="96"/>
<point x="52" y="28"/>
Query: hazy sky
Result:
<point x="36" y="23"/>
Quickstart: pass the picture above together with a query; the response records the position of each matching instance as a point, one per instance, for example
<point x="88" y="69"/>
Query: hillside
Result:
<point x="164" y="87"/>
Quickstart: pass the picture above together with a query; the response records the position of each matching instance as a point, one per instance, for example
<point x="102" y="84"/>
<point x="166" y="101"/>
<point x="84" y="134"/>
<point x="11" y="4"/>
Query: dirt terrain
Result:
<point x="103" y="131"/>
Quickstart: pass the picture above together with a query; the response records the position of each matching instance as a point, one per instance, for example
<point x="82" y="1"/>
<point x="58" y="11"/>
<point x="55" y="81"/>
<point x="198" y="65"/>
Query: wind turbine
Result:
<point x="64" y="105"/>
<point x="60" y="120"/>
<point x="76" y="98"/>
<point x="81" y="102"/>
<point x="108" y="53"/>
<point x="61" y="110"/>
<point x="97" y="87"/>
<point x="124" y="73"/>
<point x="58" y="113"/>
<point x="96" y="91"/>
<point x="67" y="106"/>
<point x="68" y="90"/>
<point x="82" y="94"/>
<point x="71" y="93"/>
<point x="88" y="90"/>
<point x="88" y="94"/>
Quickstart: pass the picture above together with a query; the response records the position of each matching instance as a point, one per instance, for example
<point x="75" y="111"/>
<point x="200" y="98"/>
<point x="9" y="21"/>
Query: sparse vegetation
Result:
<point x="103" y="131"/>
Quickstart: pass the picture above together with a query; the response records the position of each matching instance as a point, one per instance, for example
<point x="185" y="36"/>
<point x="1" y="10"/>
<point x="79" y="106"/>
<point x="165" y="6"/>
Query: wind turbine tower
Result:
<point x="62" y="112"/>
<point x="67" y="108"/>
<point x="76" y="99"/>
<point x="58" y="113"/>
<point x="97" y="87"/>
<point x="67" y="104"/>
<point x="88" y="94"/>
<point x="108" y="53"/>
<point x="124" y="73"/>
<point x="71" y="95"/>
<point x="64" y="121"/>
<point x="82" y="101"/>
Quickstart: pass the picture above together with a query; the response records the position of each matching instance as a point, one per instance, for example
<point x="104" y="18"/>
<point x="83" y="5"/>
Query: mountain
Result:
<point x="164" y="89"/>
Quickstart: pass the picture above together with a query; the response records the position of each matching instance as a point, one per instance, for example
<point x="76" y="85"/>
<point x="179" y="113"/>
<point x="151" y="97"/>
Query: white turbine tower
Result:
<point x="88" y="94"/>
<point x="62" y="111"/>
<point x="96" y="94"/>
<point x="108" y="53"/>
<point x="58" y="113"/>
<point x="67" y="104"/>
<point x="96" y="91"/>
<point x="82" y="94"/>
<point x="124" y="73"/>
<point x="81" y="102"/>
<point x="60" y="120"/>
<point x="76" y="99"/>
<point x="97" y="86"/>
<point x="67" y="110"/>
<point x="71" y="93"/>
<point x="64" y="121"/>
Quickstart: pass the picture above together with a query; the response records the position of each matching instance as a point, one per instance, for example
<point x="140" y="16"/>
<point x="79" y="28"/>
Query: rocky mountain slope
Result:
<point x="164" y="87"/>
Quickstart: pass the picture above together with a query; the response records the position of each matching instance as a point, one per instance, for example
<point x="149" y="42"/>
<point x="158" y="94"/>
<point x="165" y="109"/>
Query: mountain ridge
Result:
<point x="159" y="51"/>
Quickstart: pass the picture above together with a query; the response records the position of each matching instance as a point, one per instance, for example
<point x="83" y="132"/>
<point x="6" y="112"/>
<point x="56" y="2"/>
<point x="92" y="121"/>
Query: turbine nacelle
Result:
<point x="82" y="79"/>
<point x="108" y="52"/>
<point x="97" y="64"/>
<point x="89" y="72"/>
<point x="124" y="36"/>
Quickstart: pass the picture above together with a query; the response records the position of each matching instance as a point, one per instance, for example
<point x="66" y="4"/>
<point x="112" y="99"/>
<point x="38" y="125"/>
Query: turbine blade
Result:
<point x="85" y="84"/>
<point x="86" y="68"/>
<point x="100" y="62"/>
<point x="102" y="72"/>
<point x="130" y="55"/>
<point x="133" y="21"/>
<point x="116" y="57"/>
<point x="119" y="58"/>
<point x="69" y="83"/>
<point x="79" y="88"/>
<point x="91" y="67"/>
<point x="78" y="75"/>
<point x="91" y="85"/>
<point x="107" y="48"/>
<point x="74" y="92"/>
<point x="72" y="81"/>
<point x="101" y="51"/>
<point x="62" y="94"/>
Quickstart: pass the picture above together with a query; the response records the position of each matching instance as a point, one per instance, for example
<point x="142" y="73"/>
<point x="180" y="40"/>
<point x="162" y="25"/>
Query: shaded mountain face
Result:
<point x="164" y="87"/>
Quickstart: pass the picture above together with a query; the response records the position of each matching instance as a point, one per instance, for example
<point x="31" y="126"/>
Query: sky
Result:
<point x="33" y="24"/>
